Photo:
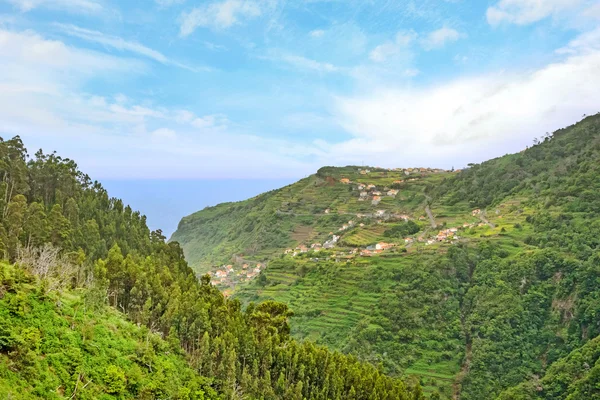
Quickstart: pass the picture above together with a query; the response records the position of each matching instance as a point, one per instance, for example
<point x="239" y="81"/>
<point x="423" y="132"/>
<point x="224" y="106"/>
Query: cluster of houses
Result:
<point x="347" y="226"/>
<point x="227" y="275"/>
<point x="370" y="191"/>
<point x="406" y="171"/>
<point x="376" y="249"/>
<point x="329" y="244"/>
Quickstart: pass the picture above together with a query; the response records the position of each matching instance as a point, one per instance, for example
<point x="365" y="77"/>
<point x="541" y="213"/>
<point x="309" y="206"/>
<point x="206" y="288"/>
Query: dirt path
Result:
<point x="430" y="215"/>
<point x="464" y="370"/>
<point x="483" y="218"/>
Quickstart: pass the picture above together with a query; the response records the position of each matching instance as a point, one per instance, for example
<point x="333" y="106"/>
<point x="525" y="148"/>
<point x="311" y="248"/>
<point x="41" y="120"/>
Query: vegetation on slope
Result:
<point x="65" y="232"/>
<point x="56" y="346"/>
<point x="516" y="293"/>
<point x="574" y="377"/>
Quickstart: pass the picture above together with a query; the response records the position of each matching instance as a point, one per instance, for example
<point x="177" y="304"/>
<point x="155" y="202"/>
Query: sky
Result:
<point x="233" y="89"/>
<point x="159" y="90"/>
<point x="165" y="202"/>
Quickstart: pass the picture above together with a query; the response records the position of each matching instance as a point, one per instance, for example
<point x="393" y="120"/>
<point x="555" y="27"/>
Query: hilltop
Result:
<point x="308" y="212"/>
<point x="472" y="281"/>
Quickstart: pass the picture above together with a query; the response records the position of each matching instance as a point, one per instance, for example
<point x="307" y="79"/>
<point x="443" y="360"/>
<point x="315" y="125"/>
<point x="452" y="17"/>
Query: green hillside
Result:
<point x="56" y="346"/>
<point x="94" y="305"/>
<point x="495" y="286"/>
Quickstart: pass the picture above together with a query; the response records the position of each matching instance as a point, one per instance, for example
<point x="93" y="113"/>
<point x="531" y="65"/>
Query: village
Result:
<point x="232" y="274"/>
<point x="227" y="274"/>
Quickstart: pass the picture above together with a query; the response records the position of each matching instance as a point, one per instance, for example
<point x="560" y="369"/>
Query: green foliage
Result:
<point x="574" y="377"/>
<point x="56" y="347"/>
<point x="402" y="230"/>
<point x="115" y="381"/>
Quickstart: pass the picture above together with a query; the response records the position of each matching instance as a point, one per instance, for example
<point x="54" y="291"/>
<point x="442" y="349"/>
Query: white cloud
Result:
<point x="593" y="11"/>
<point x="439" y="38"/>
<point x="523" y="12"/>
<point x="75" y="6"/>
<point x="215" y="122"/>
<point x="584" y="43"/>
<point x="307" y="63"/>
<point x="42" y="99"/>
<point x="27" y="58"/>
<point x="472" y="118"/>
<point x="219" y="15"/>
<point x="121" y="44"/>
<point x="317" y="33"/>
<point x="389" y="49"/>
<point x="164" y="133"/>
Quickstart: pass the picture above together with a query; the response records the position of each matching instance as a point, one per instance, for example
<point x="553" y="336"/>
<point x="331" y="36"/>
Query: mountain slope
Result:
<point x="65" y="238"/>
<point x="55" y="346"/>
<point x="498" y="283"/>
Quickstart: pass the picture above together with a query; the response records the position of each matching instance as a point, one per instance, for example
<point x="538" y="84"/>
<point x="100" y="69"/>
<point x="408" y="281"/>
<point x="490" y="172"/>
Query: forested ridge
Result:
<point x="77" y="259"/>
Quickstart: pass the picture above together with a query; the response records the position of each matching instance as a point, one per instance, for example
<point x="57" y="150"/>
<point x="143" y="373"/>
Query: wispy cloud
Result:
<point x="593" y="11"/>
<point x="317" y="33"/>
<point x="308" y="64"/>
<point x="392" y="48"/>
<point x="121" y="44"/>
<point x="74" y="6"/>
<point x="439" y="38"/>
<point x="42" y="99"/>
<point x="523" y="12"/>
<point x="584" y="43"/>
<point x="219" y="15"/>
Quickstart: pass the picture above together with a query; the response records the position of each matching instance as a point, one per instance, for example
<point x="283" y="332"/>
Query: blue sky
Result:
<point x="274" y="89"/>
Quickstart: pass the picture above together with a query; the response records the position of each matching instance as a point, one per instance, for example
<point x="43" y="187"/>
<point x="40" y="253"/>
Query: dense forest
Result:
<point x="94" y="305"/>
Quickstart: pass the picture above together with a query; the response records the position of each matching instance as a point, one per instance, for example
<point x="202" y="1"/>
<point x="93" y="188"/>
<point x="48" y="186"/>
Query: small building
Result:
<point x="476" y="212"/>
<point x="383" y="246"/>
<point x="408" y="240"/>
<point x="345" y="181"/>
<point x="220" y="274"/>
